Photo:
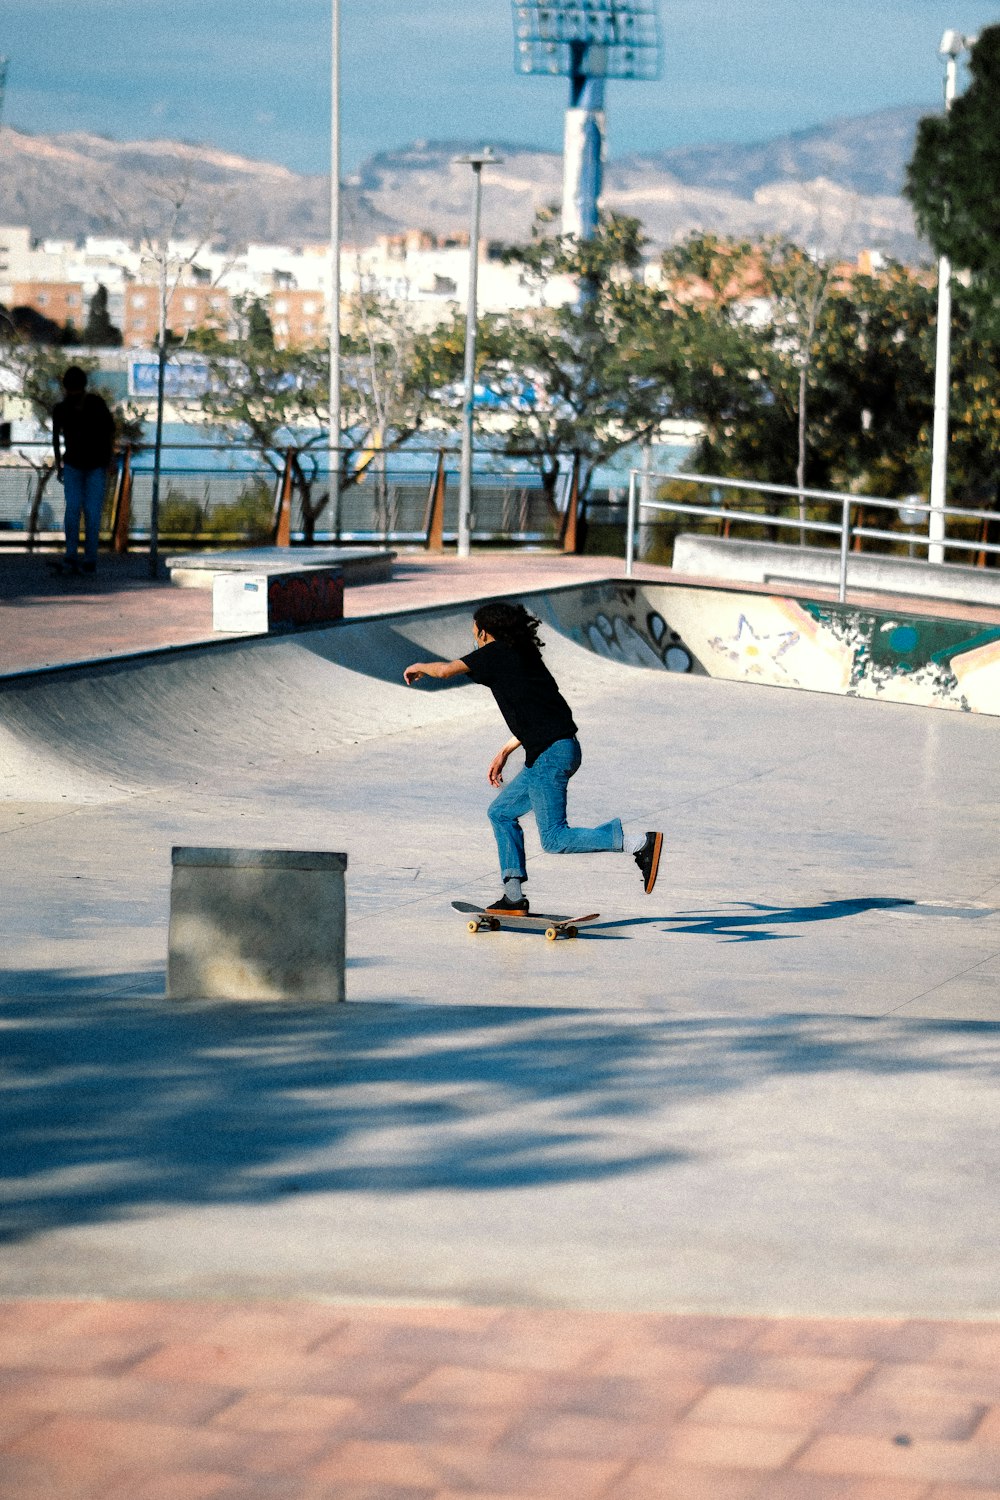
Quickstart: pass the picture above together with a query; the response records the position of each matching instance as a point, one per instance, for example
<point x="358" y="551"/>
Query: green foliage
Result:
<point x="99" y="331"/>
<point x="824" y="347"/>
<point x="596" y="366"/>
<point x="33" y="327"/>
<point x="276" y="398"/>
<point x="249" y="516"/>
<point x="953" y="179"/>
<point x="260" y="334"/>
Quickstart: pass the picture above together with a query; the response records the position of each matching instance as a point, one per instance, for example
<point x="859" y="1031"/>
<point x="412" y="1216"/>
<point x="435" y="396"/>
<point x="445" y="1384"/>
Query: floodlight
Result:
<point x="587" y="38"/>
<point x="953" y="44"/>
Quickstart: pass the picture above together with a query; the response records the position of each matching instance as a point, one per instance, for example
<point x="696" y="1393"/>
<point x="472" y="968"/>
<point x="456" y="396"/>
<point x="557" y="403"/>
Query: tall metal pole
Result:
<point x="476" y="160"/>
<point x="583" y="150"/>
<point x="335" y="237"/>
<point x="942" y="376"/>
<point x="161" y="375"/>
<point x="465" y="475"/>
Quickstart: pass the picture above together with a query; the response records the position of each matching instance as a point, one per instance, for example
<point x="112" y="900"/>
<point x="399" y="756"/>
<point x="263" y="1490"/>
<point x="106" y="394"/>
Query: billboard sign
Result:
<point x="182" y="379"/>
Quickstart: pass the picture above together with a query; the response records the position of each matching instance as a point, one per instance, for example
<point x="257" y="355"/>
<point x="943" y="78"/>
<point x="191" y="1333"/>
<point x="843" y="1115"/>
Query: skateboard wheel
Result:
<point x="495" y="925"/>
<point x="551" y="933"/>
<point x="571" y="931"/>
<point x="473" y="926"/>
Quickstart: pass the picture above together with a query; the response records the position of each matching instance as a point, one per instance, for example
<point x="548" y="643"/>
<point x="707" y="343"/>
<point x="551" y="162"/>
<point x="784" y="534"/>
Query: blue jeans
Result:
<point x="84" y="490"/>
<point x="541" y="789"/>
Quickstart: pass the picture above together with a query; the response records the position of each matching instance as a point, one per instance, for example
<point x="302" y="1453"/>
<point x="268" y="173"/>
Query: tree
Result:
<point x="260" y="334"/>
<point x="587" y="377"/>
<point x="35" y="327"/>
<point x="740" y="324"/>
<point x="279" y="398"/>
<point x="99" y="331"/>
<point x="165" y="212"/>
<point x="739" y="374"/>
<point x="953" y="179"/>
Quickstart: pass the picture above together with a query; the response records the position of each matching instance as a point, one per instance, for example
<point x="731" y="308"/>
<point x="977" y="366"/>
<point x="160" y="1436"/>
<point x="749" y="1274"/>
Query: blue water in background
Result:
<point x="207" y="450"/>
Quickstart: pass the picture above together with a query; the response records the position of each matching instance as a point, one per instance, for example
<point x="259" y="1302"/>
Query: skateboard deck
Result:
<point x="554" y="927"/>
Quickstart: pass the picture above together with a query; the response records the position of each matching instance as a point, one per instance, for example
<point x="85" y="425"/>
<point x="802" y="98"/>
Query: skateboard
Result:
<point x="553" y="927"/>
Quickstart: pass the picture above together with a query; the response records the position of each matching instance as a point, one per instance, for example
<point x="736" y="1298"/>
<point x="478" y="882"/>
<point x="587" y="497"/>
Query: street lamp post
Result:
<point x="476" y="160"/>
<point x="335" y="236"/>
<point x="953" y="44"/>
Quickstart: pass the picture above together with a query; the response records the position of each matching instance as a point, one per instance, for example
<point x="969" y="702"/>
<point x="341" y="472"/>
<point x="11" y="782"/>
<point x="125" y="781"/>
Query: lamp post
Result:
<point x="953" y="44"/>
<point x="334" y="435"/>
<point x="476" y="160"/>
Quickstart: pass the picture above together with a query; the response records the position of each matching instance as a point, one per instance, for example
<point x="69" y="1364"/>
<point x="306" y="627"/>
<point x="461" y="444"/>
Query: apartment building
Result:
<point x="298" y="318"/>
<point x="189" y="307"/>
<point x="429" y="273"/>
<point x="61" y="301"/>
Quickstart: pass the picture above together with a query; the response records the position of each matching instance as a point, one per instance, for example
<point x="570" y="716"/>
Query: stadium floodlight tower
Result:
<point x="586" y="41"/>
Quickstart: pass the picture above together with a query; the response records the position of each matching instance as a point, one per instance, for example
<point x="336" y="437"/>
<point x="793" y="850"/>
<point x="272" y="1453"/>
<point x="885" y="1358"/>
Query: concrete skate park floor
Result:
<point x="770" y="1087"/>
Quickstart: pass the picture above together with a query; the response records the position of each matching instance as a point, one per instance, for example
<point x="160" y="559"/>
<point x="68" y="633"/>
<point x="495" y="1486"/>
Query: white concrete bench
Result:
<point x="273" y="599"/>
<point x="197" y="570"/>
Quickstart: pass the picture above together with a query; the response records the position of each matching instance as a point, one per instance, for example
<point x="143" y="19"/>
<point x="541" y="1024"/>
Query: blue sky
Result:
<point x="254" y="77"/>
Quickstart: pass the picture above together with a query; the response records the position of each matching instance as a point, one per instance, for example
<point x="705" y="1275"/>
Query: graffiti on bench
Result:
<point x="308" y="598"/>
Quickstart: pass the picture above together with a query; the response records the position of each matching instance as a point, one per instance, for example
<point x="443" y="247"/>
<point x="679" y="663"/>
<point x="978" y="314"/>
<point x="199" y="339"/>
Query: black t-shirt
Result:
<point x="87" y="431"/>
<point x="526" y="694"/>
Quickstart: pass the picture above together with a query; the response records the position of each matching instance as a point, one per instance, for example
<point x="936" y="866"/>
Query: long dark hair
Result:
<point x="512" y="625"/>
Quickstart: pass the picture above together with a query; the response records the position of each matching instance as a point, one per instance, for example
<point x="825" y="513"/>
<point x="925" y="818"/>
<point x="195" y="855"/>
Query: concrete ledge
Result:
<point x="256" y="924"/>
<point x="197" y="570"/>
<point x="257" y="859"/>
<point x="774" y="563"/>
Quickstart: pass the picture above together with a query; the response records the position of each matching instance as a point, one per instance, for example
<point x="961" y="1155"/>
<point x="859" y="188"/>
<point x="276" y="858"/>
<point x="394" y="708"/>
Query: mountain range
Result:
<point x="835" y="186"/>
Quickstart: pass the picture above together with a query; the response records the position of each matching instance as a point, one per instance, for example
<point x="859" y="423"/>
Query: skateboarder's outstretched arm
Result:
<point x="433" y="669"/>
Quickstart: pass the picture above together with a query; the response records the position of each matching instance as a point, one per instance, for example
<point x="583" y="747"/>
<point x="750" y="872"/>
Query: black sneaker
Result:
<point x="506" y="905"/>
<point x="648" y="860"/>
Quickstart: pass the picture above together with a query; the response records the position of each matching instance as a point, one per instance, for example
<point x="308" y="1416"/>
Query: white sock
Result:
<point x="512" y="888"/>
<point x="632" y="842"/>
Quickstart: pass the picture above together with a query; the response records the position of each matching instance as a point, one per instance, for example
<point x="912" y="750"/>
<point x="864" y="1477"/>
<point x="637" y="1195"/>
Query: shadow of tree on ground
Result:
<point x="114" y="1105"/>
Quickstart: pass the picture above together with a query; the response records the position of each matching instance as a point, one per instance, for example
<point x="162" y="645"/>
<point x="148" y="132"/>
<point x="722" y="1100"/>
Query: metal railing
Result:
<point x="844" y="529"/>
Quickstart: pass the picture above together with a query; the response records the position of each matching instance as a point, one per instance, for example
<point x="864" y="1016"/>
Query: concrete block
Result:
<point x="265" y="601"/>
<point x="256" y="924"/>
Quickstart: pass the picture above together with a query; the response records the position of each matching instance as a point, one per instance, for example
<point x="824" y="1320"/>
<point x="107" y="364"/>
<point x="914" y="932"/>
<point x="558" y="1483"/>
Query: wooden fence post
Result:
<point x="434" y="521"/>
<point x="572" y="508"/>
<point x="283" y="518"/>
<point x="121" y="523"/>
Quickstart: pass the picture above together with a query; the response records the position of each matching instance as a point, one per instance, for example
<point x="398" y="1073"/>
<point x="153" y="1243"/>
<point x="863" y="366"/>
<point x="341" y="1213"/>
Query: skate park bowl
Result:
<point x="768" y="1086"/>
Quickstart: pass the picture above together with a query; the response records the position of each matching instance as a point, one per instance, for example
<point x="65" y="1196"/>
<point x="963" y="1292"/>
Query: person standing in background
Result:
<point x="83" y="438"/>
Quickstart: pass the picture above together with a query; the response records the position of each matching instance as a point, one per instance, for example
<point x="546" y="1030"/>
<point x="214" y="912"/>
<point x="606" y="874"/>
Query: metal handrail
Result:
<point x="845" y="530"/>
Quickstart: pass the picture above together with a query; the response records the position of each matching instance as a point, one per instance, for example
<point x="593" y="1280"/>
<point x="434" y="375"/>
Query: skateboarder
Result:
<point x="508" y="660"/>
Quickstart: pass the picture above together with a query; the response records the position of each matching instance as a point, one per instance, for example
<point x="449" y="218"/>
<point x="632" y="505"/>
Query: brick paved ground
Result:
<point x="299" y="1401"/>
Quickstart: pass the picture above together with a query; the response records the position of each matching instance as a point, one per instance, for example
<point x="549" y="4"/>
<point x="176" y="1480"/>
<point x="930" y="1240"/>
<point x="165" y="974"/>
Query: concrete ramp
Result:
<point x="205" y="711"/>
<point x="196" y="714"/>
<point x="897" y="656"/>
